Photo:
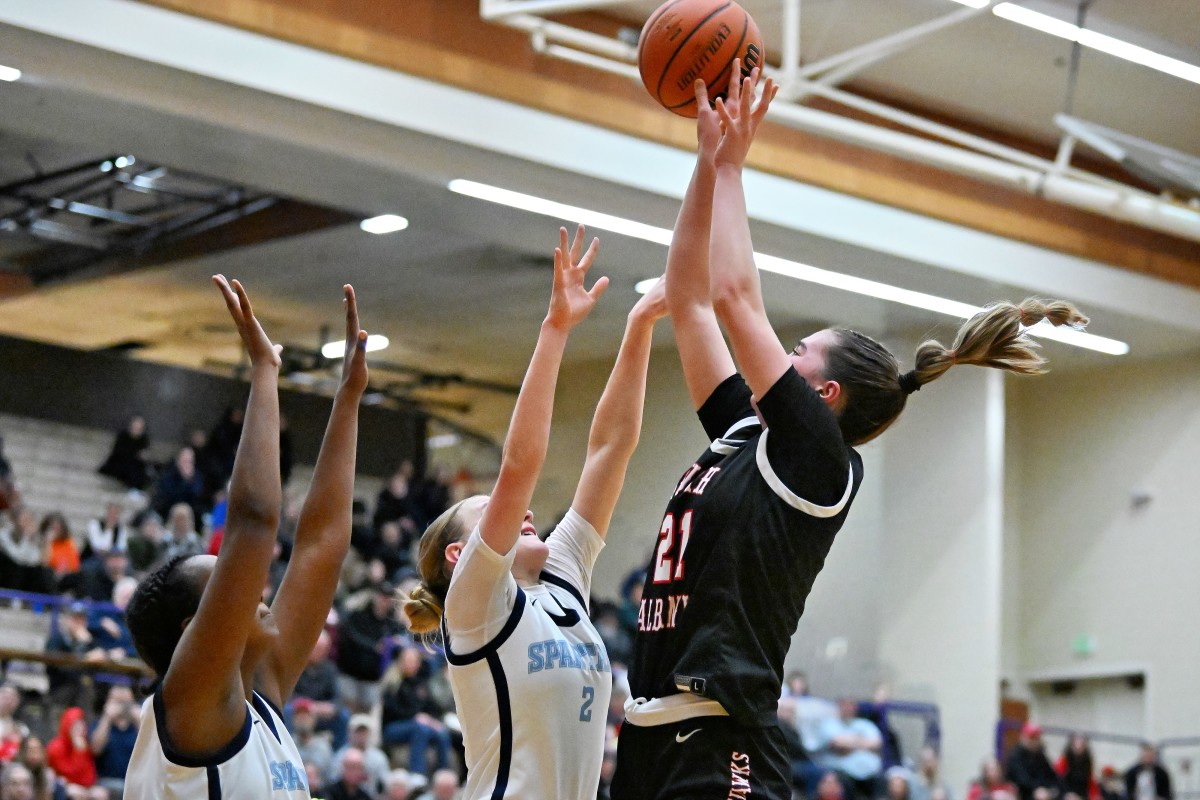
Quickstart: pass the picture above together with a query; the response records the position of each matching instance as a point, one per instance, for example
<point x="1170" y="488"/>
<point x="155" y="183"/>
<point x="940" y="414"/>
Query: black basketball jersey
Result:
<point x="743" y="538"/>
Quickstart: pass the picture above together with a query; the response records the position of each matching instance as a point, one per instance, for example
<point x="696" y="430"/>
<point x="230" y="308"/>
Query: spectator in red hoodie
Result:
<point x="70" y="754"/>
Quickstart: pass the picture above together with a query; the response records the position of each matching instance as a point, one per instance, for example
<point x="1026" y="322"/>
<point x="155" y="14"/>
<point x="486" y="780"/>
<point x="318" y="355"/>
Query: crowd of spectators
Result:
<point x="372" y="714"/>
<point x="839" y="752"/>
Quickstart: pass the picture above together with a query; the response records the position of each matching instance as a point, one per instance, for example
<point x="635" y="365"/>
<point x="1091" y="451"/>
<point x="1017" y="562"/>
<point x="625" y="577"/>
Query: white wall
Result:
<point x="941" y="548"/>
<point x="993" y="526"/>
<point x="1093" y="563"/>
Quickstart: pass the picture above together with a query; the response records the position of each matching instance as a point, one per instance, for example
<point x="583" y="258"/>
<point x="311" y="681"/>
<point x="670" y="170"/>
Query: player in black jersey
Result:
<point x="749" y="524"/>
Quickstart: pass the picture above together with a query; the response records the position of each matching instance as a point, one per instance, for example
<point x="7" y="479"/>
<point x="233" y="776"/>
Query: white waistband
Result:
<point x="674" y="708"/>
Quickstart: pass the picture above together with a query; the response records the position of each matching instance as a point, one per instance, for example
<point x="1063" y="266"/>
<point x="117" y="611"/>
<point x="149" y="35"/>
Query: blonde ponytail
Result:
<point x="425" y="603"/>
<point x="997" y="337"/>
<point x="876" y="391"/>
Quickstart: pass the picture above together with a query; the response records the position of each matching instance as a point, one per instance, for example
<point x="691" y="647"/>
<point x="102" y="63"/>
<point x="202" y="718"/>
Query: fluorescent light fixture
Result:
<point x="549" y="208"/>
<point x="1097" y="41"/>
<point x="9" y="74"/>
<point x="338" y="349"/>
<point x="768" y="263"/>
<point x="974" y="3"/>
<point x="384" y="223"/>
<point x="644" y="287"/>
<point x="443" y="440"/>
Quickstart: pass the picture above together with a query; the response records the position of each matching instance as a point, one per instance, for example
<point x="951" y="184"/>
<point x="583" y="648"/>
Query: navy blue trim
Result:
<point x="504" y="709"/>
<point x="270" y="704"/>
<point x="491" y="647"/>
<point x="263" y="707"/>
<point x="175" y="757"/>
<point x="214" y="784"/>
<point x="563" y="583"/>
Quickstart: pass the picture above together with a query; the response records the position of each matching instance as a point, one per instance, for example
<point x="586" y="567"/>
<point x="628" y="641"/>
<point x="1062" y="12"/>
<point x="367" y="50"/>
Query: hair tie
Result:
<point x="909" y="382"/>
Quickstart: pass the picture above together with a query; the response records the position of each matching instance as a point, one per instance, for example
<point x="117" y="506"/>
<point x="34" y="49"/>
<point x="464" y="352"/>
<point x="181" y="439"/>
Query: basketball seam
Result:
<point x="740" y="44"/>
<point x="650" y="23"/>
<point x="667" y="66"/>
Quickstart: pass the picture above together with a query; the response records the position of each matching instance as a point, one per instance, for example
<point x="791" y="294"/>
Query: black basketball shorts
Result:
<point x="704" y="758"/>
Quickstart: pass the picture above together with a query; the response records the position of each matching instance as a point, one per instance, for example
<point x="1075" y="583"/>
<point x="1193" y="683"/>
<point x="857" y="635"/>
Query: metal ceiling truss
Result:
<point x="937" y="145"/>
<point x="114" y="207"/>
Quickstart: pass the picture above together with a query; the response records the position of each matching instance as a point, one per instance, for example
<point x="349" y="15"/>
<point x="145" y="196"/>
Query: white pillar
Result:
<point x="941" y="557"/>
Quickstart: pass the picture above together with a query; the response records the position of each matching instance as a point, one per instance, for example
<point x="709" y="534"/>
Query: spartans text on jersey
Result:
<point x="551" y="653"/>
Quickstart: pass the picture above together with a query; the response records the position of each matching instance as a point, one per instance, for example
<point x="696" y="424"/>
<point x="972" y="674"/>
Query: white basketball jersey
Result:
<point x="262" y="761"/>
<point x="533" y="701"/>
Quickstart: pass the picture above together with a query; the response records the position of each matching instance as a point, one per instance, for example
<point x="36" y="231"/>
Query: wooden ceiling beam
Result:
<point x="446" y="41"/>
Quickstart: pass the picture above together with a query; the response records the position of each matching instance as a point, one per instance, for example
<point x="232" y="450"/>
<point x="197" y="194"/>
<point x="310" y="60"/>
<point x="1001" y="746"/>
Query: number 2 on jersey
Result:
<point x="667" y="569"/>
<point x="585" y="711"/>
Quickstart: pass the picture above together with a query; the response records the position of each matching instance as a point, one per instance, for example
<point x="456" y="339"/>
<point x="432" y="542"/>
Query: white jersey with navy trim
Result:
<point x="261" y="763"/>
<point x="533" y="699"/>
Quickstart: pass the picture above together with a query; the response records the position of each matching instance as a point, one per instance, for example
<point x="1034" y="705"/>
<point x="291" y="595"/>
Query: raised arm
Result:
<point x="203" y="688"/>
<point x="323" y="530"/>
<point x="617" y="422"/>
<point x="702" y="349"/>
<point x="529" y="431"/>
<point x="736" y="291"/>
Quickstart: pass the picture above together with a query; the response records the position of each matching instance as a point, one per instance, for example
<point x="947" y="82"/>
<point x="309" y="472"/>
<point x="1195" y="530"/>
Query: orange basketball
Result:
<point x="688" y="39"/>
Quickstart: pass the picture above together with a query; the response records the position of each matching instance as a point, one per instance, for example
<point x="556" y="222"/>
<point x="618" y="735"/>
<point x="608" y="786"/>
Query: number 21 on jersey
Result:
<point x="672" y="542"/>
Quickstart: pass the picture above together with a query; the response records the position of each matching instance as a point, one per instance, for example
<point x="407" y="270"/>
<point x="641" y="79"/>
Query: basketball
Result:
<point x="688" y="39"/>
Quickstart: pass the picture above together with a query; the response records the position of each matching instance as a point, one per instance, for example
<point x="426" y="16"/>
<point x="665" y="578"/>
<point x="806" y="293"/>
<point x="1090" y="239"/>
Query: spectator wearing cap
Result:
<point x="364" y="636"/>
<point x="1147" y="779"/>
<point x="1112" y="783"/>
<point x="375" y="762"/>
<point x="1029" y="768"/>
<point x="314" y="748"/>
<point x="318" y="683"/>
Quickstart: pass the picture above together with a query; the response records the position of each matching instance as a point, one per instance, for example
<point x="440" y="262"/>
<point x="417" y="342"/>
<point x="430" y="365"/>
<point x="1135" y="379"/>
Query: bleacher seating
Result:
<point x="55" y="466"/>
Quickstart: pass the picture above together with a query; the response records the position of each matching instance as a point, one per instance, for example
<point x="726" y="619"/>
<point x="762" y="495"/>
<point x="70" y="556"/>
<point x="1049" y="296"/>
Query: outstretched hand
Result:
<point x="708" y="123"/>
<point x="741" y="113"/>
<point x="652" y="306"/>
<point x="354" y="362"/>
<point x="258" y="345"/>
<point x="571" y="301"/>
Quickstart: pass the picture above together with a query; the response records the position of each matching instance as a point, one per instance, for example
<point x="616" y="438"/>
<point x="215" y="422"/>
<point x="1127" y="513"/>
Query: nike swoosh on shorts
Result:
<point x="681" y="738"/>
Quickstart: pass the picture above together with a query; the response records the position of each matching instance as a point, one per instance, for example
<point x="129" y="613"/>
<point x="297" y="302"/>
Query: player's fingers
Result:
<point x="577" y="244"/>
<point x="735" y="81"/>
<point x="599" y="288"/>
<point x="589" y="257"/>
<point x="352" y="325"/>
<point x="243" y="299"/>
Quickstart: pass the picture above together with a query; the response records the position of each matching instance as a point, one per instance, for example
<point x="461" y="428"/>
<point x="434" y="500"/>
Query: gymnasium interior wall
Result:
<point x="1108" y="515"/>
<point x="996" y="524"/>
